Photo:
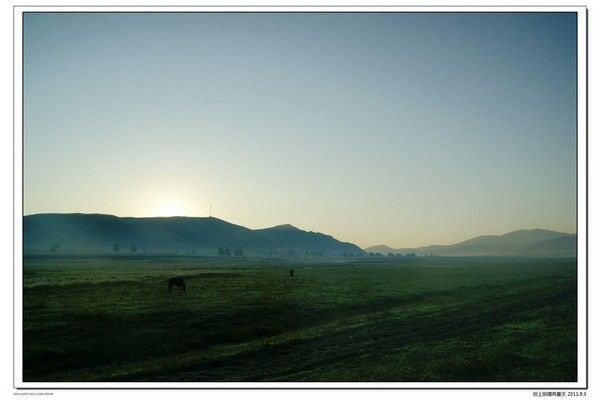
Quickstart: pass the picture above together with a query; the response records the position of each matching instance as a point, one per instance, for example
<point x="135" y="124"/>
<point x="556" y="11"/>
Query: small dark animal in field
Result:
<point x="179" y="282"/>
<point x="291" y="272"/>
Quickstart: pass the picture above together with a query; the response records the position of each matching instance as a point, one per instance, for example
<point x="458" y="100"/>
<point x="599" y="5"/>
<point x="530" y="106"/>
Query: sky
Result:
<point x="404" y="129"/>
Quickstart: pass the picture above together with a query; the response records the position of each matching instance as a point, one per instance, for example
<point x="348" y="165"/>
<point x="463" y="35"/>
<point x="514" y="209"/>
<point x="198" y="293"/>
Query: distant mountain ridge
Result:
<point x="533" y="242"/>
<point x="97" y="233"/>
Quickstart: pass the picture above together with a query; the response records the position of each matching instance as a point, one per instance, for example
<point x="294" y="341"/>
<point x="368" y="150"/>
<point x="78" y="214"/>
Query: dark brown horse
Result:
<point x="179" y="282"/>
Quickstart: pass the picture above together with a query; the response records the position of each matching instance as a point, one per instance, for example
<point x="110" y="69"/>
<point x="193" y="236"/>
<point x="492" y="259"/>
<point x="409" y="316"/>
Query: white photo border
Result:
<point x="582" y="196"/>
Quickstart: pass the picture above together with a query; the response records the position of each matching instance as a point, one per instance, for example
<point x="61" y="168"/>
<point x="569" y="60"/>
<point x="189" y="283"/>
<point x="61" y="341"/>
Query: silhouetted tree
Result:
<point x="238" y="252"/>
<point x="227" y="252"/>
<point x="221" y="252"/>
<point x="116" y="247"/>
<point x="55" y="247"/>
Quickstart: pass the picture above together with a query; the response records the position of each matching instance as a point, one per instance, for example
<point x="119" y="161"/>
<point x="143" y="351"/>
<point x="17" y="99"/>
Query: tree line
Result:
<point x="226" y="252"/>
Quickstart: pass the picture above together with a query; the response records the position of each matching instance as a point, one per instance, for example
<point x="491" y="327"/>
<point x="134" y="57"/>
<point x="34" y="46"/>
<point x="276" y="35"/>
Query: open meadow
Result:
<point x="405" y="319"/>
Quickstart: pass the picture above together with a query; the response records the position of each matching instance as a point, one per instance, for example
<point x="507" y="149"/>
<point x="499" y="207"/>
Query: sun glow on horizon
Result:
<point x="361" y="134"/>
<point x="171" y="208"/>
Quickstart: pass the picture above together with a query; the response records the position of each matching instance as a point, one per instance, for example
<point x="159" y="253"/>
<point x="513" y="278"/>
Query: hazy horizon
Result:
<point x="304" y="228"/>
<point x="396" y="129"/>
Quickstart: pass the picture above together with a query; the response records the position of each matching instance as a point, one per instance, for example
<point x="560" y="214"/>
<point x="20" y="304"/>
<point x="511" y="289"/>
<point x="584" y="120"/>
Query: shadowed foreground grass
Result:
<point x="426" y="319"/>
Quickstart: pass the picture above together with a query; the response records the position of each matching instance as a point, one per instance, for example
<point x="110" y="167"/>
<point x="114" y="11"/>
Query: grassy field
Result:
<point x="425" y="319"/>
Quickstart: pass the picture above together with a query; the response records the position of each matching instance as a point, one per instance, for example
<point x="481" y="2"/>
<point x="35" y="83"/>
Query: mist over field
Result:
<point x="108" y="234"/>
<point x="103" y="319"/>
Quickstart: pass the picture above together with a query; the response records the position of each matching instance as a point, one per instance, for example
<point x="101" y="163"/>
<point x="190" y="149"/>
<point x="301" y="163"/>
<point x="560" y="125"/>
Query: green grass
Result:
<point x="426" y="319"/>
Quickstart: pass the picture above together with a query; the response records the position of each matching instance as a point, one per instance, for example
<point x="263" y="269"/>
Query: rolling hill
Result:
<point x="533" y="242"/>
<point x="97" y="233"/>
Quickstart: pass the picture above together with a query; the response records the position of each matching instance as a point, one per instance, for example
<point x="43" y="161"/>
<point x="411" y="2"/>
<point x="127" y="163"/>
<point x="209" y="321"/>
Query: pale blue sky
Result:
<point x="398" y="128"/>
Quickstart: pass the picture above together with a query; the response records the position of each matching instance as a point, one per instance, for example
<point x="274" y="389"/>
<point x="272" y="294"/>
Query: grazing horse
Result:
<point x="291" y="272"/>
<point x="179" y="282"/>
